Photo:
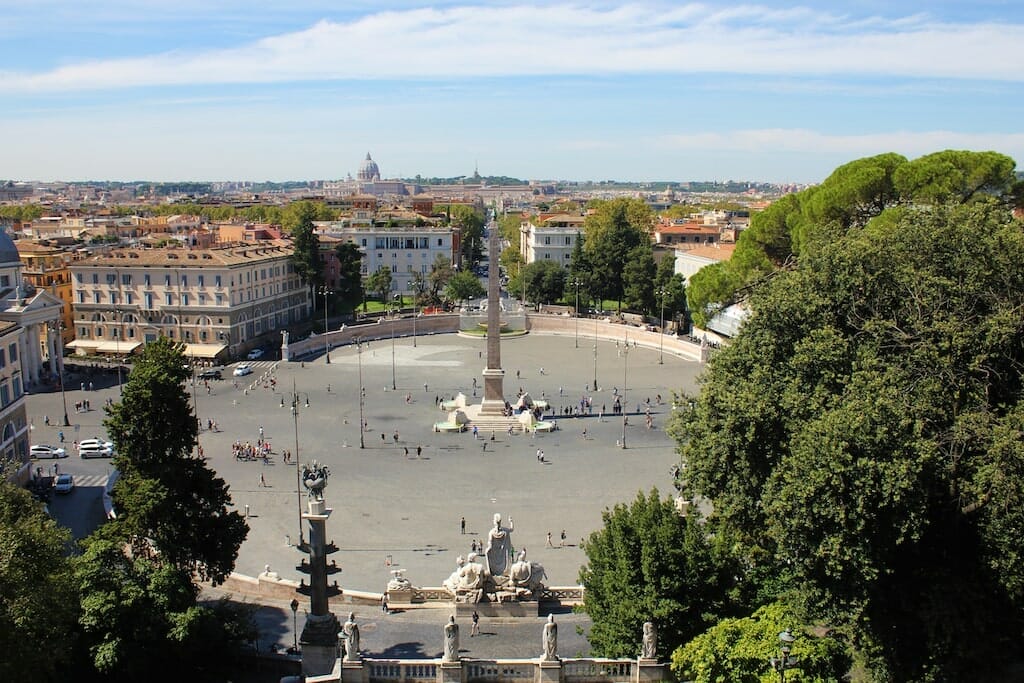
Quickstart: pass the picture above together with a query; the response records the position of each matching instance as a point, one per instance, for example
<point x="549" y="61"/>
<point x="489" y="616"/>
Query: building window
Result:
<point x="184" y="280"/>
<point x="547" y="240"/>
<point x="440" y="242"/>
<point x="216" y="280"/>
<point x="113" y="298"/>
<point x="78" y="276"/>
<point x="81" y="297"/>
<point x="202" y="299"/>
<point x="220" y="299"/>
<point x="167" y="299"/>
<point x="111" y="278"/>
<point x="3" y="359"/>
<point x="202" y="281"/>
<point x="148" y="297"/>
<point x="5" y="395"/>
<point x="146" y="280"/>
<point x="167" y="280"/>
<point x="95" y="297"/>
<point x="128" y="298"/>
<point x="568" y="241"/>
<point x="17" y="388"/>
<point x="126" y="279"/>
<point x="184" y="299"/>
<point x="83" y="332"/>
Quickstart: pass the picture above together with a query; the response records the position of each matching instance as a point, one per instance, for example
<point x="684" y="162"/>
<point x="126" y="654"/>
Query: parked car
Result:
<point x="242" y="369"/>
<point x="255" y="354"/>
<point x="95" y="448"/>
<point x="64" y="483"/>
<point x="210" y="374"/>
<point x="43" y="451"/>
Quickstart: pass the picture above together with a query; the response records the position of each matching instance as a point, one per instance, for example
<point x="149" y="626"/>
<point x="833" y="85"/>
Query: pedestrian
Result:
<point x="419" y="450"/>
<point x="384" y="603"/>
<point x="550" y="544"/>
<point x="383" y="439"/>
<point x="584" y="433"/>
<point x="538" y="454"/>
<point x="263" y="481"/>
<point x="46" y="420"/>
<point x="425" y="388"/>
<point x="60" y="436"/>
<point x="261" y="432"/>
<point x="562" y="544"/>
<point x="476" y="432"/>
<point x="472" y="546"/>
<point x="395" y="437"/>
<point x="476" y="625"/>
<point x="83" y="386"/>
<point x="462" y="525"/>
<point x="407" y="451"/>
<point x="90" y="386"/>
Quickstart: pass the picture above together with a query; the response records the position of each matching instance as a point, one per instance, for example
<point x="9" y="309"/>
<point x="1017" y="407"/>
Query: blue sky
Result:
<point x="248" y="90"/>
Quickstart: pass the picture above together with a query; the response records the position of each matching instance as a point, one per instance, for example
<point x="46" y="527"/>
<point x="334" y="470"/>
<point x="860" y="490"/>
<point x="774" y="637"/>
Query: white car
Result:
<point x="95" y="448"/>
<point x="242" y="370"/>
<point x="64" y="483"/>
<point x="255" y="354"/>
<point x="43" y="451"/>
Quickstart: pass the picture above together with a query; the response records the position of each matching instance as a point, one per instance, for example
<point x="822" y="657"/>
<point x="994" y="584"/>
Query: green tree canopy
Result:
<point x="545" y="281"/>
<point x="638" y="280"/>
<point x="649" y="563"/>
<point x="863" y="433"/>
<point x="471" y="225"/>
<point x="612" y="231"/>
<point x="38" y="601"/>
<point x="441" y="272"/>
<point x="167" y="499"/>
<point x="379" y="282"/>
<point x="463" y="285"/>
<point x="350" y="280"/>
<point x="306" y="258"/>
<point x="852" y="196"/>
<point x="740" y="650"/>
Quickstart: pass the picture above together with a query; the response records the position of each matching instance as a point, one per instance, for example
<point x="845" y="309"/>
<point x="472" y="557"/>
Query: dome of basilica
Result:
<point x="368" y="171"/>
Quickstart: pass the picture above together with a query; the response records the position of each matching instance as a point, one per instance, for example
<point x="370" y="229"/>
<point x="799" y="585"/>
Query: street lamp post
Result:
<point x="414" y="294"/>
<point x="576" y="283"/>
<point x="595" y="352"/>
<point x="625" y="379"/>
<point x="786" y="661"/>
<point x="327" y="346"/>
<point x="117" y="349"/>
<point x="58" y="346"/>
<point x="394" y="320"/>
<point x="295" y="625"/>
<point x="359" y="356"/>
<point x="661" y="347"/>
<point x="298" y="481"/>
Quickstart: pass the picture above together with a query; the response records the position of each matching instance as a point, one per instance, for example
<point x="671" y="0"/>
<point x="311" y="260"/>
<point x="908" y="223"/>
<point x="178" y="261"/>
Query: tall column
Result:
<point x="53" y="348"/>
<point x="320" y="634"/>
<point x="494" y="395"/>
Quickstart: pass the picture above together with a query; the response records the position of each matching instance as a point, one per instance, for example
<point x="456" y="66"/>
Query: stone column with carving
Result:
<point x="320" y="634"/>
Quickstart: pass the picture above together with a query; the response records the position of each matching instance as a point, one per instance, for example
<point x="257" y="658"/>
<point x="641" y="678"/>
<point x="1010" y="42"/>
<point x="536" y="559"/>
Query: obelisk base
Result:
<point x="494" y="396"/>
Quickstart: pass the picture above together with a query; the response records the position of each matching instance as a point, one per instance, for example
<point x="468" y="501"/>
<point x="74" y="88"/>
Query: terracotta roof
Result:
<point x="221" y="256"/>
<point x="720" y="253"/>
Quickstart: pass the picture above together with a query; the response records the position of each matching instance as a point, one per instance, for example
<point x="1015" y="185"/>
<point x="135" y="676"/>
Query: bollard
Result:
<point x="247" y="511"/>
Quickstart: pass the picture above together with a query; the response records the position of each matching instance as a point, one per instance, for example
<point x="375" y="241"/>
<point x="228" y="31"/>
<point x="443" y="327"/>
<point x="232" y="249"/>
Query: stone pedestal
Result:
<point x="494" y="398"/>
<point x="649" y="671"/>
<point x="450" y="672"/>
<point x="354" y="672"/>
<point x="549" y="671"/>
<point x="319" y="644"/>
<point x="519" y="608"/>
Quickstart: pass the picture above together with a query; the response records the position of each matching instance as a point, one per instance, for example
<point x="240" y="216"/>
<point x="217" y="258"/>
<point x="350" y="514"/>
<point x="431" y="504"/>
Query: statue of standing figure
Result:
<point x="499" y="547"/>
<point x="451" y="641"/>
<point x="649" y="647"/>
<point x="351" y="632"/>
<point x="550" y="639"/>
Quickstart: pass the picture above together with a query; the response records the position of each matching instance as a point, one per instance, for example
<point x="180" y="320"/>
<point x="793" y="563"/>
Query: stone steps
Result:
<point x="496" y="423"/>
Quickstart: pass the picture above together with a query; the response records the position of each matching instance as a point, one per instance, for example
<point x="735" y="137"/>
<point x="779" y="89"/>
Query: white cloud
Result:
<point x="482" y="41"/>
<point x="908" y="143"/>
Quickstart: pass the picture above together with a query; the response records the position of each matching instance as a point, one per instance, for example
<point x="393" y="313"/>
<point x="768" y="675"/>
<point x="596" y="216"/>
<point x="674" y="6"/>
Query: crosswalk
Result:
<point x="87" y="480"/>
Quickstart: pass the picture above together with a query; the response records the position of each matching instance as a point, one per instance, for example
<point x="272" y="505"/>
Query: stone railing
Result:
<point x="447" y="323"/>
<point x="496" y="671"/>
<point x="567" y="595"/>
<point x="588" y="328"/>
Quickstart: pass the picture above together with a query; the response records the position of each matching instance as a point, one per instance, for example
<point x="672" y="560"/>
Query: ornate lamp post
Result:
<point x="785" y="661"/>
<point x="595" y="352"/>
<point x="663" y="292"/>
<point x="576" y="313"/>
<point x="117" y="348"/>
<point x="326" y="292"/>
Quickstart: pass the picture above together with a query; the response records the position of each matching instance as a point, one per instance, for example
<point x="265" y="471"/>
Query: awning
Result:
<point x="204" y="350"/>
<point x="121" y="348"/>
<point x="82" y="344"/>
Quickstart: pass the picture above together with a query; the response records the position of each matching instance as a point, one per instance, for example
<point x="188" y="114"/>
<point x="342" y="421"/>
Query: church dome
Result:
<point x="368" y="171"/>
<point x="8" y="252"/>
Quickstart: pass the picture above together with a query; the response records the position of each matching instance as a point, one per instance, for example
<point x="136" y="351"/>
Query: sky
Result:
<point x="208" y="90"/>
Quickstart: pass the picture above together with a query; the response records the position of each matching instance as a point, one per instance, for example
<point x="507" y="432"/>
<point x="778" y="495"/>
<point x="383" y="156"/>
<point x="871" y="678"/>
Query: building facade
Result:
<point x="553" y="240"/>
<point x="14" y="428"/>
<point x="45" y="267"/>
<point x="218" y="301"/>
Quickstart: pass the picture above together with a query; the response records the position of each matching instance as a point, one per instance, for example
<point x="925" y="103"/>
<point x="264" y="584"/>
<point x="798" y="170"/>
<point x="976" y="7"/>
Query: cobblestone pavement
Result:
<point x="393" y="510"/>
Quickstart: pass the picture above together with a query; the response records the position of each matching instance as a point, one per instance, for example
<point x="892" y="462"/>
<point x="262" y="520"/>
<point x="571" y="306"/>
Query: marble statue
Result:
<point x="314" y="478"/>
<point x="650" y="642"/>
<point x="351" y="632"/>
<point x="525" y="575"/>
<point x="499" y="547"/>
<point x="451" y="641"/>
<point x="467" y="581"/>
<point x="399" y="582"/>
<point x="550" y="639"/>
<point x="284" y="337"/>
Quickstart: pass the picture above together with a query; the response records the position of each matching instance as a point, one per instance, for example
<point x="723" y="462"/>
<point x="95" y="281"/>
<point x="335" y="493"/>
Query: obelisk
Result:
<point x="494" y="396"/>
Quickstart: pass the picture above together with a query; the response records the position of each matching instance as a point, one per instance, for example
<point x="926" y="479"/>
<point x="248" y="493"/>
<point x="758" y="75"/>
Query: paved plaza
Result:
<point x="397" y="511"/>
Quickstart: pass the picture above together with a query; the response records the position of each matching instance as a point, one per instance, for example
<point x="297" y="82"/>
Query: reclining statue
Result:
<point x="467" y="581"/>
<point x="526" y="576"/>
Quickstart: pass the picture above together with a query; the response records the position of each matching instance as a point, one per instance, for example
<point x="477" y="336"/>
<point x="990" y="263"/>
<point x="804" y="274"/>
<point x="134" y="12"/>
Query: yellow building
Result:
<point x="45" y="266"/>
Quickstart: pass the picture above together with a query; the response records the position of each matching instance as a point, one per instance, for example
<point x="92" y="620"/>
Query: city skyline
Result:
<point x="189" y="90"/>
